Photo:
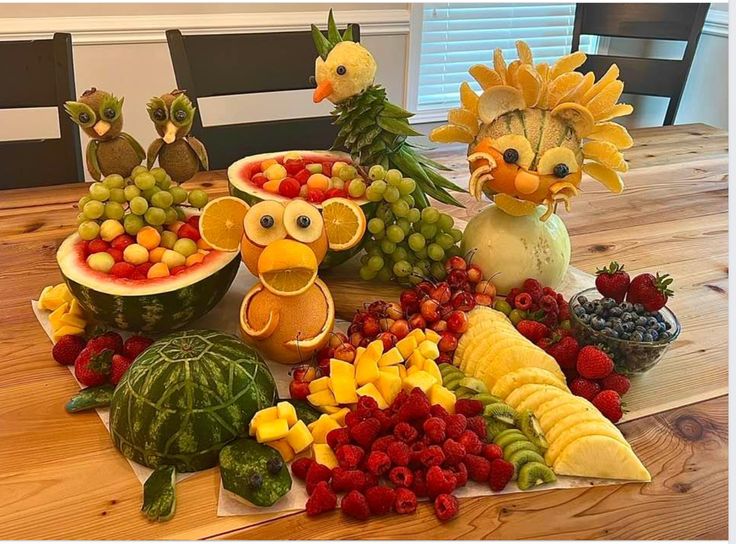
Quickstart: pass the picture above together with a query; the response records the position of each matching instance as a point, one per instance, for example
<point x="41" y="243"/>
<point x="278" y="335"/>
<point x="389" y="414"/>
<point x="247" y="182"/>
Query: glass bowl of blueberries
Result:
<point x="636" y="339"/>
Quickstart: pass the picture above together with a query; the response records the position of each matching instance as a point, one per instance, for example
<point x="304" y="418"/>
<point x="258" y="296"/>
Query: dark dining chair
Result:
<point x="644" y="76"/>
<point x="37" y="74"/>
<point x="236" y="64"/>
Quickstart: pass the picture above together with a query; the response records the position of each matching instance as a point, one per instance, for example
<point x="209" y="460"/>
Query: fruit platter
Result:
<point x="345" y="333"/>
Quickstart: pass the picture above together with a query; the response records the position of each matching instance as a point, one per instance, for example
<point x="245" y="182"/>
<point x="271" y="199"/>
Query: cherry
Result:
<point x="457" y="278"/>
<point x="475" y="274"/>
<point x="356" y="339"/>
<point x="445" y="358"/>
<point x="371" y="327"/>
<point x="303" y="373"/>
<point x="394" y="311"/>
<point x="345" y="352"/>
<point x="389" y="340"/>
<point x="298" y="390"/>
<point x="441" y="293"/>
<point x="399" y="328"/>
<point x="455" y="263"/>
<point x="324" y="367"/>
<point x="439" y="326"/>
<point x="448" y="342"/>
<point x="385" y="323"/>
<point x="429" y="309"/>
<point x="409" y="300"/>
<point x="416" y="321"/>
<point x="377" y="307"/>
<point x="425" y="287"/>
<point x="327" y="352"/>
<point x="457" y="321"/>
<point x="336" y="339"/>
<point x="486" y="287"/>
<point x="463" y="300"/>
<point x="481" y="299"/>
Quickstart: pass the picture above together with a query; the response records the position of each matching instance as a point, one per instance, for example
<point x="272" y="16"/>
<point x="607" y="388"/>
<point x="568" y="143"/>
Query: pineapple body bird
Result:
<point x="371" y="129"/>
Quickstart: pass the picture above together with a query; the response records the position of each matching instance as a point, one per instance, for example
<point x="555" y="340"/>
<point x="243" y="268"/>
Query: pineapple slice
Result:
<point x="418" y="334"/>
<point x="530" y="375"/>
<point x="431" y="368"/>
<point x="73" y="321"/>
<point x="393" y="370"/>
<point x="339" y="416"/>
<point x="43" y="297"/>
<point x="590" y="428"/>
<point x="432" y="336"/>
<point x="428" y="350"/>
<point x="344" y="388"/>
<point x="580" y="416"/>
<point x="600" y="457"/>
<point x="341" y="369"/>
<point x="391" y="357"/>
<point x="65" y="330"/>
<point x="57" y="314"/>
<point x="536" y="399"/>
<point x="550" y="412"/>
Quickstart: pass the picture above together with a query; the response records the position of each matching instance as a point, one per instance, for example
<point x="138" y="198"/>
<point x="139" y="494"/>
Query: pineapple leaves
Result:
<point x="392" y="110"/>
<point x="396" y="126"/>
<point x="347" y="36"/>
<point x="333" y="35"/>
<point x="320" y="43"/>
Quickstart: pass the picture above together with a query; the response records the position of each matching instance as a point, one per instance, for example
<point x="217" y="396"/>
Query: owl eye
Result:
<point x="180" y="115"/>
<point x="303" y="221"/>
<point x="561" y="170"/>
<point x="267" y="221"/>
<point x="109" y="113"/>
<point x="84" y="117"/>
<point x="511" y="156"/>
<point x="341" y="70"/>
<point x="159" y="114"/>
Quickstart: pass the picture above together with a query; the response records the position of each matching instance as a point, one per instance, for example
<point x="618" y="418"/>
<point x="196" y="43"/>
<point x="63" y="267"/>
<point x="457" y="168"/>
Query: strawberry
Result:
<point x="533" y="330"/>
<point x="587" y="389"/>
<point x="92" y="367"/>
<point x="565" y="351"/>
<point x="135" y="345"/>
<point x="67" y="349"/>
<point x="617" y="382"/>
<point x="109" y="340"/>
<point x="120" y="365"/>
<point x="612" y="281"/>
<point x="649" y="291"/>
<point x="594" y="363"/>
<point x="608" y="403"/>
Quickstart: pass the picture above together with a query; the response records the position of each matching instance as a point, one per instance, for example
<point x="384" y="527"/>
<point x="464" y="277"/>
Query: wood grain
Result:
<point x="62" y="478"/>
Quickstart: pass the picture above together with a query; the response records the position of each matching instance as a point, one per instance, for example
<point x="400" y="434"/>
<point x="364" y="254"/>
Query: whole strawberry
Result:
<point x="135" y="345"/>
<point x="532" y="330"/>
<point x="650" y="291"/>
<point x="612" y="281"/>
<point x="565" y="352"/>
<point x="587" y="389"/>
<point x="617" y="382"/>
<point x="109" y="340"/>
<point x="67" y="349"/>
<point x="608" y="403"/>
<point x="120" y="365"/>
<point x="92" y="367"/>
<point x="594" y="363"/>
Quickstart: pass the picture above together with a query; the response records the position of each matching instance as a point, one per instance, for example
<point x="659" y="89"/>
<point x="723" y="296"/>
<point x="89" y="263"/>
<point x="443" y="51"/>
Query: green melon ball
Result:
<point x="88" y="230"/>
<point x="114" y="181"/>
<point x="168" y="239"/>
<point x="133" y="223"/>
<point x="101" y="262"/>
<point x="144" y="181"/>
<point x="185" y="246"/>
<point x="172" y="258"/>
<point x="135" y="254"/>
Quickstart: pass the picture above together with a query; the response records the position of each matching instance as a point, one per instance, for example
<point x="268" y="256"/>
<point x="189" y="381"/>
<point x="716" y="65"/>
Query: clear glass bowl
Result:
<point x="631" y="357"/>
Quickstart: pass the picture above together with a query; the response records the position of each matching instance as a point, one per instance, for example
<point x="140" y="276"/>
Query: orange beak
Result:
<point x="322" y="91"/>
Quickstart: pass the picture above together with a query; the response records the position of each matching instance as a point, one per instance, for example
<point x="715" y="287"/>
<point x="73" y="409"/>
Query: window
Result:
<point x="456" y="36"/>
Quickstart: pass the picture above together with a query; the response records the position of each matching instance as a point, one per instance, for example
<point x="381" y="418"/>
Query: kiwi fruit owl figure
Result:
<point x="178" y="152"/>
<point x="110" y="150"/>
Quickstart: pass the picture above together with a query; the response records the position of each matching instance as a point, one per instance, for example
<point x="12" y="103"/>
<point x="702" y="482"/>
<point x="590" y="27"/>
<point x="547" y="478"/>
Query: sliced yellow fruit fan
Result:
<point x="536" y="128"/>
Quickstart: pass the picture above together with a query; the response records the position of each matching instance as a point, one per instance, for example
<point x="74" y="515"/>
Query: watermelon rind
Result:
<point x="244" y="458"/>
<point x="152" y="306"/>
<point x="187" y="396"/>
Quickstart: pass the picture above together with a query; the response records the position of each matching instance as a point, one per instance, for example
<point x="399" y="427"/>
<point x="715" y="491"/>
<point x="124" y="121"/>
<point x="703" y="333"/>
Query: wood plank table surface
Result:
<point x="61" y="478"/>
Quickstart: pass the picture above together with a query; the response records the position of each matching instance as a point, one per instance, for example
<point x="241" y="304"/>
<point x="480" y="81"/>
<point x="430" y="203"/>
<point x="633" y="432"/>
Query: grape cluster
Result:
<point x="145" y="198"/>
<point x="405" y="244"/>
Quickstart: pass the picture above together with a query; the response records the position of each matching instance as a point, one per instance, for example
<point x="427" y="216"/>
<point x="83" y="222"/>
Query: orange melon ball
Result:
<point x="195" y="258"/>
<point x="155" y="254"/>
<point x="148" y="237"/>
<point x="158" y="270"/>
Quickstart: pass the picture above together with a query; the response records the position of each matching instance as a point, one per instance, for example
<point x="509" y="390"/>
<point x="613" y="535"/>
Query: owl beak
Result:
<point x="322" y="91"/>
<point x="526" y="182"/>
<point x="170" y="134"/>
<point x="101" y="127"/>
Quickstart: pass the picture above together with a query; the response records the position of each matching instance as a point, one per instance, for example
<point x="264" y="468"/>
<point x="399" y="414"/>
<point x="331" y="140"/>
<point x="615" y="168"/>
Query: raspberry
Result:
<point x="501" y="473"/>
<point x="405" y="502"/>
<point x="365" y="432"/>
<point x="398" y="453"/>
<point x="347" y="480"/>
<point x="371" y="480"/>
<point x="354" y="505"/>
<point x="432" y="456"/>
<point x="338" y="437"/>
<point x="420" y="484"/>
<point x="434" y="429"/>
<point x="322" y="499"/>
<point x="479" y="468"/>
<point x="437" y="410"/>
<point x="471" y="442"/>
<point x="461" y="474"/>
<point x="405" y="432"/>
<point x="511" y="296"/>
<point x="455" y="425"/>
<point x="382" y="443"/>
<point x="446" y="506"/>
<point x="454" y="451"/>
<point x="416" y="406"/>
<point x="491" y="452"/>
<point x="399" y="401"/>
<point x="352" y="419"/>
<point x="366" y="406"/>
<point x="349" y="456"/>
<point x="533" y="287"/>
<point x="415" y="450"/>
<point x="378" y="463"/>
<point x="401" y="477"/>
<point x="315" y="474"/>
<point x="380" y="499"/>
<point x="477" y="424"/>
<point x="439" y="481"/>
<point x="468" y="407"/>
<point x="300" y="467"/>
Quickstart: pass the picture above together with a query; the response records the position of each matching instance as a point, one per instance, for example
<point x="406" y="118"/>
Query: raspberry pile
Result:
<point x="532" y="301"/>
<point x="388" y="459"/>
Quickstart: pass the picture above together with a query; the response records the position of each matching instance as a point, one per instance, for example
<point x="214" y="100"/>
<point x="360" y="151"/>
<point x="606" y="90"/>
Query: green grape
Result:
<point x="393" y="177"/>
<point x="454" y="251"/>
<point x="445" y="222"/>
<point x="379" y="235"/>
<point x="140" y="169"/>
<point x="364" y="259"/>
<point x="401" y="254"/>
<point x="370" y="245"/>
<point x="402" y="269"/>
<point x="168" y="239"/>
<point x="171" y="216"/>
<point x="99" y="192"/>
<point x="165" y="184"/>
<point x="400" y="208"/>
<point x="117" y="195"/>
<point x="159" y="174"/>
<point x="416" y="275"/>
<point x="403" y="222"/>
<point x="133" y="223"/>
<point x="372" y="194"/>
<point x="94" y="209"/>
<point x="114" y="210"/>
<point x="356" y="189"/>
<point x="379" y="186"/>
<point x="388" y="247"/>
<point x="425" y="266"/>
<point x="394" y="234"/>
<point x="180" y="213"/>
<point x="138" y="205"/>
<point x="148" y="193"/>
<point x="422" y="253"/>
<point x="81" y="218"/>
<point x="162" y="199"/>
<point x="377" y="172"/>
<point x="114" y="181"/>
<point x="337" y="182"/>
<point x="89" y="230"/>
<point x="407" y="186"/>
<point x="430" y="215"/>
<point x="414" y="215"/>
<point x="83" y="201"/>
<point x="435" y="252"/>
<point x="438" y="271"/>
<point x="409" y="200"/>
<point x="155" y="216"/>
<point x="391" y="194"/>
<point x="376" y="225"/>
<point x="456" y="234"/>
<point x="428" y="231"/>
<point x="385" y="214"/>
<point x="366" y="273"/>
<point x="347" y="172"/>
<point x="416" y="241"/>
<point x="444" y="240"/>
<point x="131" y="191"/>
<point x="375" y="263"/>
<point x="179" y="194"/>
<point x="144" y="181"/>
<point x="384" y="274"/>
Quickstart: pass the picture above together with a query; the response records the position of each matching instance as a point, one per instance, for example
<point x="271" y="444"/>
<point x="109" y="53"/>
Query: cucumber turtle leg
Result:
<point x="159" y="494"/>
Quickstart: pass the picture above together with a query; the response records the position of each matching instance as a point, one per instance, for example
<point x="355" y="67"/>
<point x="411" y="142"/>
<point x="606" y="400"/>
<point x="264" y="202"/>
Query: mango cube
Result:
<point x="261" y="416"/>
<point x="65" y="330"/>
<point x="321" y="427"/>
<point x="432" y="336"/>
<point x="299" y="437"/>
<point x="57" y="314"/>
<point x="393" y="369"/>
<point x="374" y="350"/>
<point x="418" y="335"/>
<point x="339" y="416"/>
<point x="322" y="398"/>
<point x="329" y="409"/>
<point x="45" y="292"/>
<point x="406" y="346"/>
<point x="402" y="371"/>
<point x="389" y="385"/>
<point x="391" y="357"/>
<point x="63" y="289"/>
<point x="429" y="349"/>
<point x="343" y="388"/>
<point x="416" y="359"/>
<point x="442" y="396"/>
<point x="320" y="384"/>
<point x="359" y="351"/>
<point x="324" y="455"/>
<point x="287" y="411"/>
<point x="366" y="370"/>
<point x="268" y="431"/>
<point x="341" y="369"/>
<point x="73" y="320"/>
<point x="370" y="390"/>
<point x="413" y="369"/>
<point x="284" y="448"/>
<point x="421" y="379"/>
<point x="75" y="308"/>
<point x="431" y="367"/>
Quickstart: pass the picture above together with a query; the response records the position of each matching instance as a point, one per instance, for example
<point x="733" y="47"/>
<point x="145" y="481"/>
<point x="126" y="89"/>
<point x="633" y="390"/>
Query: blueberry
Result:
<point x="638" y="308"/>
<point x="579" y="311"/>
<point x="597" y="323"/>
<point x="626" y="306"/>
<point x="608" y="302"/>
<point x="636" y="336"/>
<point x="654" y="335"/>
<point x="627" y="316"/>
<point x="661" y="327"/>
<point x="641" y="321"/>
<point x="667" y="325"/>
<point x="665" y="335"/>
<point x="628" y="326"/>
<point x="589" y="307"/>
<point x="625" y="336"/>
<point x="647" y="337"/>
<point x="255" y="480"/>
<point x="274" y="465"/>
<point x="652" y="323"/>
<point x="615" y="311"/>
<point x="640" y="328"/>
<point x="599" y="309"/>
<point x="618" y="328"/>
<point x="610" y="332"/>
<point x="585" y="318"/>
<point x="582" y="299"/>
<point x="659" y="317"/>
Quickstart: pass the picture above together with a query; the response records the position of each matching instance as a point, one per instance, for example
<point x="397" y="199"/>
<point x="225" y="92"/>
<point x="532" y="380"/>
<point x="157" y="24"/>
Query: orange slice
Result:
<point x="485" y="76"/>
<point x="606" y="99"/>
<point x="613" y="133"/>
<point x="568" y="63"/>
<point x="464" y="118"/>
<point x="221" y="223"/>
<point x="605" y="176"/>
<point x="514" y="206"/>
<point x="525" y="54"/>
<point x="451" y="133"/>
<point x="609" y="77"/>
<point x="287" y="267"/>
<point x="344" y="222"/>
<point x="271" y="324"/>
<point x="468" y="98"/>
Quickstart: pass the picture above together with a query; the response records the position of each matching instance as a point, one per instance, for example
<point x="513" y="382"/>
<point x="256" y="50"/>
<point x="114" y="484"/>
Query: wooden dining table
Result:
<point x="61" y="477"/>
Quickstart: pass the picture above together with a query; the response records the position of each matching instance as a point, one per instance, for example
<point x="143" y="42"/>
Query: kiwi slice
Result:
<point x="519" y="445"/>
<point x="522" y="457"/>
<point x="487" y="398"/>
<point x="475" y="384"/>
<point x="504" y="438"/>
<point x="534" y="473"/>
<point x="447" y="370"/>
<point x="500" y="411"/>
<point x="494" y="428"/>
<point x="529" y="425"/>
<point x="451" y="381"/>
<point x="464" y="393"/>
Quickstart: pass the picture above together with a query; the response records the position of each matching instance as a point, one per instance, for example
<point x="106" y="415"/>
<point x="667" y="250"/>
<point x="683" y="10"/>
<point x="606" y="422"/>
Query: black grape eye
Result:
<point x="561" y="170"/>
<point x="341" y="70"/>
<point x="109" y="113"/>
<point x="180" y="115"/>
<point x="267" y="221"/>
<point x="84" y="117"/>
<point x="303" y="221"/>
<point x="159" y="114"/>
<point x="511" y="155"/>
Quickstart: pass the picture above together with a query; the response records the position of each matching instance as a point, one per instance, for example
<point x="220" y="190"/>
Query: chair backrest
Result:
<point x="234" y="64"/>
<point x="39" y="73"/>
<point x="652" y="77"/>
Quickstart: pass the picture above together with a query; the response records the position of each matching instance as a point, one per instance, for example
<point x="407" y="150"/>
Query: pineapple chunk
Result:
<point x="329" y="409"/>
<point x="393" y="370"/>
<point x="320" y="384"/>
<point x="429" y="349"/>
<point x="359" y="351"/>
<point x="66" y="329"/>
<point x="268" y="431"/>
<point x="73" y="321"/>
<point x="43" y="297"/>
<point x="284" y="448"/>
<point x="406" y="346"/>
<point x="261" y="416"/>
<point x="321" y="427"/>
<point x="63" y="291"/>
<point x="432" y="336"/>
<point x="370" y="390"/>
<point x="366" y="370"/>
<point x="442" y="396"/>
<point x="413" y="369"/>
<point x="421" y="379"/>
<point x="287" y="411"/>
<point x="299" y="437"/>
<point x="402" y="372"/>
<point x="339" y="416"/>
<point x="324" y="455"/>
<point x="416" y="359"/>
<point x="391" y="357"/>
<point x="431" y="368"/>
<point x="340" y="369"/>
<point x="417" y="334"/>
<point x="76" y="309"/>
<point x="322" y="398"/>
<point x="374" y="350"/>
<point x="389" y="385"/>
<point x="57" y="314"/>
<point x="343" y="388"/>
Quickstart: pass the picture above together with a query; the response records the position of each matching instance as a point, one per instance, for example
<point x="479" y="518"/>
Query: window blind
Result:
<point x="456" y="36"/>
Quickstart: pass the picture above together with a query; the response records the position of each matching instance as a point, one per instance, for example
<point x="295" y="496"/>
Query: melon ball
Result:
<point x="135" y="254"/>
<point x="102" y="261"/>
<point x="111" y="229"/>
<point x="168" y="239"/>
<point x="185" y="246"/>
<point x="511" y="249"/>
<point x="148" y="237"/>
<point x="275" y="171"/>
<point x="173" y="258"/>
<point x="158" y="270"/>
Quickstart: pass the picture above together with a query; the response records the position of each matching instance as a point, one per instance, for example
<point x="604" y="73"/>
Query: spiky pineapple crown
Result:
<point x="325" y="45"/>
